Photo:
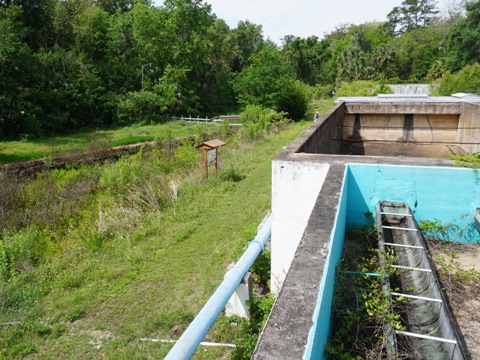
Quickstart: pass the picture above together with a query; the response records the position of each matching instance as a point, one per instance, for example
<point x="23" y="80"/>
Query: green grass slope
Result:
<point x="93" y="260"/>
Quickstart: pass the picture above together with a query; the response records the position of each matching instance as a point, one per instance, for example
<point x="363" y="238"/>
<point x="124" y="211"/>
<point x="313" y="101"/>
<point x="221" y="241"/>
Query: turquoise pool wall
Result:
<point x="445" y="194"/>
<point x="320" y="330"/>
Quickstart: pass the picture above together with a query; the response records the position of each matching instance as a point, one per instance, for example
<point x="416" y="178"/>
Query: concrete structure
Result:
<point x="238" y="304"/>
<point x="320" y="187"/>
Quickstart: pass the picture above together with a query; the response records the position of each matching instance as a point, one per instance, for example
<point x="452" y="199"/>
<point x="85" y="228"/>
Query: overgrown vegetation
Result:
<point x="459" y="274"/>
<point x="361" y="310"/>
<point x="363" y="88"/>
<point x="96" y="258"/>
<point x="444" y="250"/>
<point x="28" y="149"/>
<point x="469" y="161"/>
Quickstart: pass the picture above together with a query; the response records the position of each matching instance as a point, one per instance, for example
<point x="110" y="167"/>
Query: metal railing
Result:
<point x="196" y="331"/>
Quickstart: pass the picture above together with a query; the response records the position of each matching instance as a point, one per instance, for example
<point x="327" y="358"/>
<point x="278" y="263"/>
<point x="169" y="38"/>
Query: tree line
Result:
<point x="76" y="64"/>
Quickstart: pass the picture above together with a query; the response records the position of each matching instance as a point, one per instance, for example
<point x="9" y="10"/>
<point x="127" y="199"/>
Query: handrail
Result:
<point x="196" y="331"/>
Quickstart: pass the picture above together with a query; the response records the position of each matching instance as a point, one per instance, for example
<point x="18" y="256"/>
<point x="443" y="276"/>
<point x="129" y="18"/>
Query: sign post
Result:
<point x="211" y="153"/>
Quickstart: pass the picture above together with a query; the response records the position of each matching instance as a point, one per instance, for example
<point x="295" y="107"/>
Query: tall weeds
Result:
<point x="81" y="235"/>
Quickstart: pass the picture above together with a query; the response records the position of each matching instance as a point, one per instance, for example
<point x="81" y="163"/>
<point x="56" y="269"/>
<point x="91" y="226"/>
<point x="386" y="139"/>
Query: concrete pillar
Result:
<point x="238" y="302"/>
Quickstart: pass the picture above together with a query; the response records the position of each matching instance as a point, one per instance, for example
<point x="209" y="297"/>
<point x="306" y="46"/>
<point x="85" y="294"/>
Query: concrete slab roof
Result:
<point x="409" y="98"/>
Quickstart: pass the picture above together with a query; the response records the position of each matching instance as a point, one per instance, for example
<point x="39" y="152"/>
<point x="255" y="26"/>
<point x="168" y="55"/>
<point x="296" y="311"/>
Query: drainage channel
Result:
<point x="430" y="325"/>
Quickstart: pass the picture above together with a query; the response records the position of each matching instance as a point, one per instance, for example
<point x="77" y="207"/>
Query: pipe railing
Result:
<point x="196" y="331"/>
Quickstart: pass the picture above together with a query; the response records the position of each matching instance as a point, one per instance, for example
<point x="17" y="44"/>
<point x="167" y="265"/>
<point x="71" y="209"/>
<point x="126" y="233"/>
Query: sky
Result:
<point x="302" y="18"/>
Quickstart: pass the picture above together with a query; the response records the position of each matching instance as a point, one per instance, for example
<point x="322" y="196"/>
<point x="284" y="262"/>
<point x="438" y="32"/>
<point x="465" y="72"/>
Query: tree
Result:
<point x="249" y="40"/>
<point x="363" y="53"/>
<point x="264" y="80"/>
<point x="37" y="16"/>
<point x="270" y="83"/>
<point x="220" y="51"/>
<point x="112" y="6"/>
<point x="17" y="65"/>
<point x="464" y="38"/>
<point x="411" y="15"/>
<point x="305" y="56"/>
<point x="416" y="51"/>
<point x="294" y="100"/>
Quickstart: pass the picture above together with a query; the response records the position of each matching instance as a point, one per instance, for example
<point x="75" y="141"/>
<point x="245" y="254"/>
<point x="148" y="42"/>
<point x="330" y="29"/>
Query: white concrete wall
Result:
<point x="295" y="187"/>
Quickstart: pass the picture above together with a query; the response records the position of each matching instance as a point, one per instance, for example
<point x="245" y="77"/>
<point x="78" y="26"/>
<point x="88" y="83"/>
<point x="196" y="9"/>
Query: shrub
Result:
<point x="466" y="80"/>
<point x="257" y="121"/>
<point x="294" y="101"/>
<point x="21" y="251"/>
<point x="141" y="107"/>
<point x="362" y="88"/>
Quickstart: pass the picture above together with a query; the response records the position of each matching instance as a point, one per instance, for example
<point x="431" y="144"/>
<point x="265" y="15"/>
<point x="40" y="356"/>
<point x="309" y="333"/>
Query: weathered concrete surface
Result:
<point x="286" y="333"/>
<point x="411" y="107"/>
<point x="469" y="127"/>
<point x="295" y="186"/>
<point x="429" y="128"/>
<point x="388" y="149"/>
<point x="320" y="137"/>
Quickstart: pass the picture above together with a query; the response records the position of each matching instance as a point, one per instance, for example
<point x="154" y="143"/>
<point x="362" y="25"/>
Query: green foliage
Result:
<point x="75" y="314"/>
<point x="463" y="39"/>
<point x="363" y="88"/>
<point x="70" y="65"/>
<point x="435" y="229"/>
<point x="231" y="174"/>
<point x="451" y="231"/>
<point x="306" y="56"/>
<point x="261" y="267"/>
<point x="108" y="243"/>
<point x="470" y="161"/>
<point x="21" y="251"/>
<point x="144" y="107"/>
<point x="294" y="101"/>
<point x="466" y="80"/>
<point x="412" y="15"/>
<point x="258" y="121"/>
<point x="265" y="80"/>
<point x="260" y="307"/>
<point x="360" y="307"/>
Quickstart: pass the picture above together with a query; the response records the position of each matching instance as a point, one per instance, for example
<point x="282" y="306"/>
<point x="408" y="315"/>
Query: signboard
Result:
<point x="211" y="153"/>
<point x="211" y="157"/>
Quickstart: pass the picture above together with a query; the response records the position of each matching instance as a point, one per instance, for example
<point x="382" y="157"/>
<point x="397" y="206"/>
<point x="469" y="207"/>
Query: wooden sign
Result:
<point x="211" y="153"/>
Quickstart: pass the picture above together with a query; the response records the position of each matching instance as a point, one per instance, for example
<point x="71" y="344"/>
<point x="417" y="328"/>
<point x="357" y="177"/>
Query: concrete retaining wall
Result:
<point x="324" y="136"/>
<point x="469" y="127"/>
<point x="448" y="195"/>
<point x="419" y="107"/>
<point x="401" y="127"/>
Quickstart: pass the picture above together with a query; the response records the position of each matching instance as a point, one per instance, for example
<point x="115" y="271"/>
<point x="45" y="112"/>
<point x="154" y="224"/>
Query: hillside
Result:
<point x="114" y="253"/>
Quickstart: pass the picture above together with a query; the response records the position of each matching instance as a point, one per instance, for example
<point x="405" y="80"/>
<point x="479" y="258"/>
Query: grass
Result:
<point x="137" y="257"/>
<point x="11" y="151"/>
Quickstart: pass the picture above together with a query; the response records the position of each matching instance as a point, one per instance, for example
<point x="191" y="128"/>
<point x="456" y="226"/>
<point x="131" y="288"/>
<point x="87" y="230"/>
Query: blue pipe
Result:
<point x="365" y="273"/>
<point x="196" y="331"/>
